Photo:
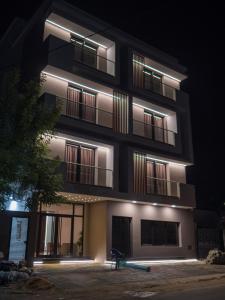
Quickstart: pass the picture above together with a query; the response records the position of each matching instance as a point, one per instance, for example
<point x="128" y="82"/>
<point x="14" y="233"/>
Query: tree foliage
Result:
<point x="26" y="126"/>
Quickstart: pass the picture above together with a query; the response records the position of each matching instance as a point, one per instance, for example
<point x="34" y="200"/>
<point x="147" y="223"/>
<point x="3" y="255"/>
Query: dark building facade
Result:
<point x="123" y="138"/>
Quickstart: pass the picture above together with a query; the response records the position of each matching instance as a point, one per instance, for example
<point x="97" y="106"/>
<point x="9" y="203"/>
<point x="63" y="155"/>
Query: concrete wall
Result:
<point x="97" y="231"/>
<point x="137" y="212"/>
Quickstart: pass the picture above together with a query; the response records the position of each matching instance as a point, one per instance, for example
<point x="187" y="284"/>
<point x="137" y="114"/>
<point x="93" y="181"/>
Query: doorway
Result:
<point x="121" y="234"/>
<point x="18" y="239"/>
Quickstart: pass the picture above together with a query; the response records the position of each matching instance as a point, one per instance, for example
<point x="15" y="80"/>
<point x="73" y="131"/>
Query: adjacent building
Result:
<point x="123" y="138"/>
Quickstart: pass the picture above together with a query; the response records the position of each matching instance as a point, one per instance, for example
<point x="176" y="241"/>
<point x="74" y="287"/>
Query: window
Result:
<point x="152" y="81"/>
<point x="154" y="127"/>
<point x="80" y="164"/>
<point x="156" y="178"/>
<point x="159" y="233"/>
<point x="81" y="104"/>
<point x="85" y="52"/>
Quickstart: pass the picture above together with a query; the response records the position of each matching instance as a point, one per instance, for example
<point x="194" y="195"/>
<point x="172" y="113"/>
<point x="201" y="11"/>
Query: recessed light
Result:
<point x="134" y="201"/>
<point x="154" y="204"/>
<point x="173" y="205"/>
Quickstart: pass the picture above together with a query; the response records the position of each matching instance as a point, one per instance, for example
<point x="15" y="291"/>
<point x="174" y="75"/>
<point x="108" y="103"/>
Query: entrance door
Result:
<point x="121" y="234"/>
<point x="18" y="239"/>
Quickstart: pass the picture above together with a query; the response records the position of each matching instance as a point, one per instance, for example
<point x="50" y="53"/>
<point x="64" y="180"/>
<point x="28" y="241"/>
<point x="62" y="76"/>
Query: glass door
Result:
<point x="18" y="239"/>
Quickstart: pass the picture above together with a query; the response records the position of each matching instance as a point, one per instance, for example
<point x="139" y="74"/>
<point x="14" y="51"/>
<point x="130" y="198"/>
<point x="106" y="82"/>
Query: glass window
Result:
<point x="159" y="233"/>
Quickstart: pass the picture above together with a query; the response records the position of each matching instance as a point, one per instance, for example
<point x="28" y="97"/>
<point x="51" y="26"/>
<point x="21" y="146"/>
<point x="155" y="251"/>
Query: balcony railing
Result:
<point x="161" y="186"/>
<point x="153" y="132"/>
<point x="92" y="59"/>
<point x="87" y="174"/>
<point x="161" y="88"/>
<point x="78" y="110"/>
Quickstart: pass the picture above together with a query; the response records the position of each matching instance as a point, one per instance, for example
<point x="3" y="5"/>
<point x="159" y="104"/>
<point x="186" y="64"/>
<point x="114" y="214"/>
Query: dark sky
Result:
<point x="194" y="32"/>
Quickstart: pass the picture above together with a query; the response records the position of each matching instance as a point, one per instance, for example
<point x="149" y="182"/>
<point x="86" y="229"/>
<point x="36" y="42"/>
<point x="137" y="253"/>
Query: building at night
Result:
<point x="123" y="138"/>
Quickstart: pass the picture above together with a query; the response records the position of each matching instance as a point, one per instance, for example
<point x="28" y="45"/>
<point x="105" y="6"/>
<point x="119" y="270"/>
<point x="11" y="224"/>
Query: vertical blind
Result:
<point x="120" y="112"/>
<point x="138" y="68"/>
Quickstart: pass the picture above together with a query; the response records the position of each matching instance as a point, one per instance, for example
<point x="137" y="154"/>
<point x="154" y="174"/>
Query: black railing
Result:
<point x="153" y="132"/>
<point x="88" y="174"/>
<point x="92" y="59"/>
<point x="159" y="87"/>
<point x="78" y="110"/>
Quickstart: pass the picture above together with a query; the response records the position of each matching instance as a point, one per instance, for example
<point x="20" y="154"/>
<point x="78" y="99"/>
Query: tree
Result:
<point x="26" y="127"/>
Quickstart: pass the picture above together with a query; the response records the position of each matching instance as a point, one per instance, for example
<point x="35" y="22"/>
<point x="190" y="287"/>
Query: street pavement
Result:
<point x="205" y="293"/>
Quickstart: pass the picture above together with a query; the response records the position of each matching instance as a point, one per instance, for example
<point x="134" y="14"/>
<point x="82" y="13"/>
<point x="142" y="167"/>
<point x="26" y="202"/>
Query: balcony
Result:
<point x="159" y="186"/>
<point x="87" y="55"/>
<point x="153" y="132"/>
<point x="88" y="174"/>
<point x="81" y="111"/>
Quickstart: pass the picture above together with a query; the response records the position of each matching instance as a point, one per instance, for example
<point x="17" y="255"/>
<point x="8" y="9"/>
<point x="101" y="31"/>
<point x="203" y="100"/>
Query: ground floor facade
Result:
<point x="92" y="229"/>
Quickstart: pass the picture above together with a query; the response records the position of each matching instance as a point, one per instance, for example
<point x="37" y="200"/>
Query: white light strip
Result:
<point x="152" y="110"/>
<point x="160" y="72"/>
<point x="38" y="262"/>
<point x="165" y="161"/>
<point x="154" y="262"/>
<point x="76" y="83"/>
<point x="66" y="262"/>
<point x="76" y="141"/>
<point x="75" y="33"/>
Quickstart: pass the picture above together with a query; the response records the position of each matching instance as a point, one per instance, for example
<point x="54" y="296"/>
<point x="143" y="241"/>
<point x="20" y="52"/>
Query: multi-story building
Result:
<point x="123" y="138"/>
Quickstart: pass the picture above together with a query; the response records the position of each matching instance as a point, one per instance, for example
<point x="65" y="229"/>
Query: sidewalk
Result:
<point x="94" y="281"/>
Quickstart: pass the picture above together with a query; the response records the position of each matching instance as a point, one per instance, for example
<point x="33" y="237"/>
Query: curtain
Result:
<point x="120" y="112"/>
<point x="87" y="165"/>
<point x="88" y="107"/>
<point x="71" y="159"/>
<point x="166" y="137"/>
<point x="158" y="129"/>
<point x="72" y="104"/>
<point x="161" y="185"/>
<point x="147" y="125"/>
<point x="138" y="68"/>
<point x="139" y="173"/>
<point x="150" y="177"/>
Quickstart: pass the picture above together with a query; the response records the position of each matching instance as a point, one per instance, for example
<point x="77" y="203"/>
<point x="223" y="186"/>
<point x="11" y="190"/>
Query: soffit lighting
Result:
<point x="152" y="110"/>
<point x="160" y="72"/>
<point x="154" y="204"/>
<point x="165" y="161"/>
<point x="134" y="201"/>
<point x="76" y="83"/>
<point x="75" y="33"/>
<point x="173" y="205"/>
<point x="77" y="141"/>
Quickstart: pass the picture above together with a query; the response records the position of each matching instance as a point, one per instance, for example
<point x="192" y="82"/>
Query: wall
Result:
<point x="97" y="225"/>
<point x="137" y="212"/>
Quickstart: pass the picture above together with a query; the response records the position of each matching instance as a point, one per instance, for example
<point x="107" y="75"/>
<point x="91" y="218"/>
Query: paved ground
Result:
<point x="96" y="282"/>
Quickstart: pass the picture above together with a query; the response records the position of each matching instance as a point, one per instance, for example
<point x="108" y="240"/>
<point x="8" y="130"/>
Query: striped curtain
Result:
<point x="138" y="68"/>
<point x="120" y="112"/>
<point x="87" y="165"/>
<point x="161" y="185"/>
<point x="88" y="107"/>
<point x="71" y="159"/>
<point x="150" y="174"/>
<point x="72" y="104"/>
<point x="139" y="173"/>
<point x="158" y="129"/>
<point x="148" y="125"/>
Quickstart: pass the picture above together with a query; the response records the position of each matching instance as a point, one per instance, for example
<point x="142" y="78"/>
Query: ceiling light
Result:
<point x="75" y="33"/>
<point x="152" y="110"/>
<point x="134" y="201"/>
<point x="76" y="83"/>
<point x="160" y="72"/>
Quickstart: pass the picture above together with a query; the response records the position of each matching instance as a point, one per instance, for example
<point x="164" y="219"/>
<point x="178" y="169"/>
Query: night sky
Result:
<point x="193" y="32"/>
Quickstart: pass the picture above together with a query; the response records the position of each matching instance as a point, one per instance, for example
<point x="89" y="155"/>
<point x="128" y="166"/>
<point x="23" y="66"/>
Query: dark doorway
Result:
<point x="121" y="234"/>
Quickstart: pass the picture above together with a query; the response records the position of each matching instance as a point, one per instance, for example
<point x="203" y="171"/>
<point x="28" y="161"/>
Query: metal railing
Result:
<point x="161" y="186"/>
<point x="94" y="60"/>
<point x="88" y="174"/>
<point x="160" y="88"/>
<point x="153" y="132"/>
<point x="78" y="110"/>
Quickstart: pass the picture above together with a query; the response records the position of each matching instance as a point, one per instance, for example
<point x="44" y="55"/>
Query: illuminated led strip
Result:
<point x="152" y="110"/>
<point x="82" y="44"/>
<point x="76" y="141"/>
<point x="66" y="262"/>
<point x="76" y="83"/>
<point x="165" y="161"/>
<point x="160" y="72"/>
<point x="75" y="33"/>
